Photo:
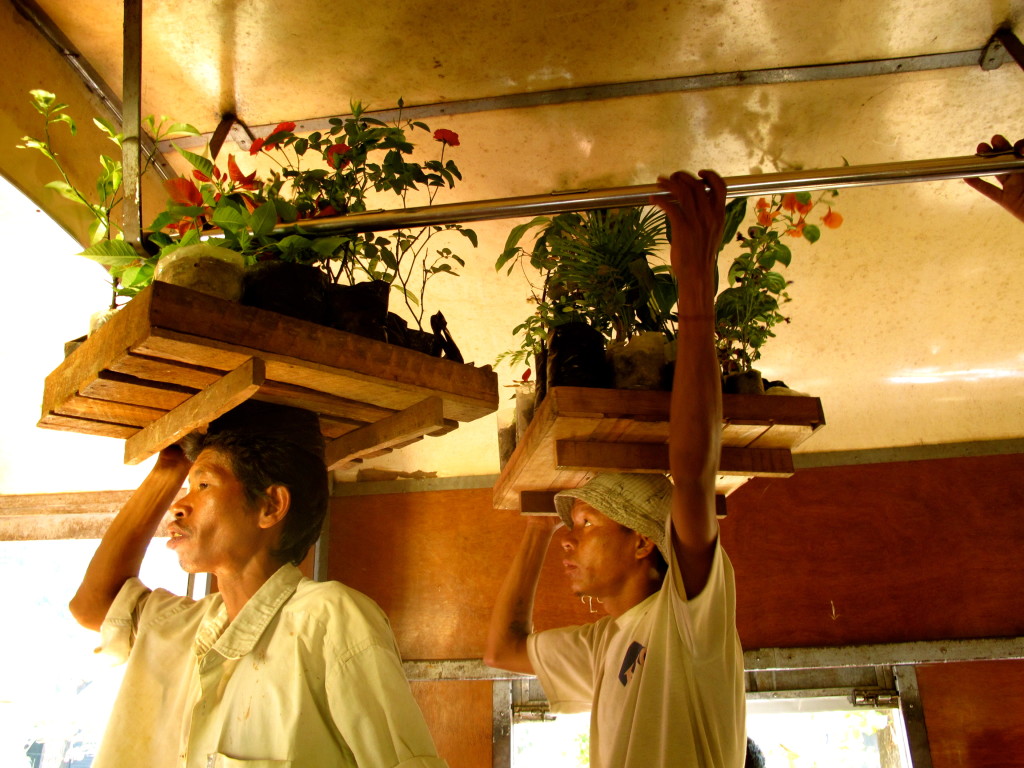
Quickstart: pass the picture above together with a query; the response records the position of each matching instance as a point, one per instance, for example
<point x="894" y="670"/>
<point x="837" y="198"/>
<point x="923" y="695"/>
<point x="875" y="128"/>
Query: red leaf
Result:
<point x="183" y="191"/>
<point x="246" y="182"/>
<point x="526" y="374"/>
<point x="257" y="145"/>
<point x="200" y="175"/>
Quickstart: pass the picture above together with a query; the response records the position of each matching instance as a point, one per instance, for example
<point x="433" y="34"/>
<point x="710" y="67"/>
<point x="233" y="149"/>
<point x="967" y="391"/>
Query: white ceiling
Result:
<point x="905" y="321"/>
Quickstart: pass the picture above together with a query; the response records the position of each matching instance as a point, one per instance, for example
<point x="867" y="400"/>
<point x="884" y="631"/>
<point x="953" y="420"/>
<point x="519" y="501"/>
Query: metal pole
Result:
<point x="131" y="147"/>
<point x="617" y="197"/>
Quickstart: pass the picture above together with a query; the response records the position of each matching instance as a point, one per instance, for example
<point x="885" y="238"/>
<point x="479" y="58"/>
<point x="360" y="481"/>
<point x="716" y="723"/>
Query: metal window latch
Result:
<point x="876" y="699"/>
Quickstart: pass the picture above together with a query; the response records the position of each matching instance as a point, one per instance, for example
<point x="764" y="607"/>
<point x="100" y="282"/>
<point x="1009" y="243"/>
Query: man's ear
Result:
<point x="276" y="506"/>
<point x="644" y="546"/>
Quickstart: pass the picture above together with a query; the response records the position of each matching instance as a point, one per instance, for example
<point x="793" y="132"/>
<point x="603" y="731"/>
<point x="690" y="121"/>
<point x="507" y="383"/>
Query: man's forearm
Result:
<point x="119" y="555"/>
<point x="512" y="617"/>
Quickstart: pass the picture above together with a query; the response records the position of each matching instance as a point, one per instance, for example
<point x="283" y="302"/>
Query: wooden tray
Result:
<point x="174" y="359"/>
<point x="578" y="432"/>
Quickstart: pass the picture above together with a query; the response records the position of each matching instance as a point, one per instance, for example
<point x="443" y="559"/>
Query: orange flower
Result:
<point x="789" y="201"/>
<point x="804" y="208"/>
<point x="832" y="219"/>
<point x="797" y="229"/>
<point x="764" y="218"/>
<point x="761" y="205"/>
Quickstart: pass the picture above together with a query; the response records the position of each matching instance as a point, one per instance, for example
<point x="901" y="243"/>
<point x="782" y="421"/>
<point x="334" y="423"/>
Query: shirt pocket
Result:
<point x="223" y="761"/>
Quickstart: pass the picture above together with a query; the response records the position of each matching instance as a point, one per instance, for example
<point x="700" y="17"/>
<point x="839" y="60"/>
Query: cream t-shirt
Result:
<point x="308" y="674"/>
<point x="664" y="681"/>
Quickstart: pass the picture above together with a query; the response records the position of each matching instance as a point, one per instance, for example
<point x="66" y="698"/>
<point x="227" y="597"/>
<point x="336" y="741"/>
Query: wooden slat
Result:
<point x="61" y="423"/>
<point x="121" y="388"/>
<point x="165" y="371"/>
<point x="413" y="422"/>
<point x="653" y="458"/>
<point x="217" y="399"/>
<point x="104" y="410"/>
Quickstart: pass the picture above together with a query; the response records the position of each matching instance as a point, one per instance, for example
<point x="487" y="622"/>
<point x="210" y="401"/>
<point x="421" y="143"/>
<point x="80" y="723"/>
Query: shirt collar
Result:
<point x="242" y="634"/>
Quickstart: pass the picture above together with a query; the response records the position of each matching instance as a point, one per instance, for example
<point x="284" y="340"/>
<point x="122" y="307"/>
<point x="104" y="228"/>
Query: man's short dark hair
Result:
<point x="260" y="462"/>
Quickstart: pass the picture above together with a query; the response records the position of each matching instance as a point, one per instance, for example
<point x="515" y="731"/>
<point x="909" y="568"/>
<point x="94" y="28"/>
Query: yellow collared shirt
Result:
<point x="308" y="674"/>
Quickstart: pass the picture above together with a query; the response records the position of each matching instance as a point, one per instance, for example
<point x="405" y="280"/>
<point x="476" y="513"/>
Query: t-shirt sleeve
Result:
<point x="564" y="660"/>
<point x="708" y="620"/>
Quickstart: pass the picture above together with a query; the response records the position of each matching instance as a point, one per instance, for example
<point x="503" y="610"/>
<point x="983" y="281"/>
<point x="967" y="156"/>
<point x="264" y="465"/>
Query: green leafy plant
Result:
<point x="129" y="270"/>
<point x="595" y="267"/>
<point x="323" y="174"/>
<point x="750" y="307"/>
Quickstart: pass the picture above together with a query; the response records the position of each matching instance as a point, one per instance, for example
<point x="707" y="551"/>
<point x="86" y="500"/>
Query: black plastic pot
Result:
<point x="399" y="333"/>
<point x="296" y="290"/>
<point x="575" y="358"/>
<point x="360" y="308"/>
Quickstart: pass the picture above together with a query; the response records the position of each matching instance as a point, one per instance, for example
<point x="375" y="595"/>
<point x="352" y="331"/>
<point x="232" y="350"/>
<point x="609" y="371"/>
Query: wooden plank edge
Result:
<point x="200" y="409"/>
<point x="128" y="326"/>
<point x="653" y="458"/>
<point x="413" y="422"/>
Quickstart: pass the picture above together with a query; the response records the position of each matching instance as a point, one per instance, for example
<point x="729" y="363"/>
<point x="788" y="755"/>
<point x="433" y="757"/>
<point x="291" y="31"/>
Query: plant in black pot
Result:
<point x="321" y="175"/>
<point x="597" y="285"/>
<point x="748" y="309"/>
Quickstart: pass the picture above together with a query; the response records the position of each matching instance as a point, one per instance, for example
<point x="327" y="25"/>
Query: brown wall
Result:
<point x="973" y="713"/>
<point x="925" y="550"/>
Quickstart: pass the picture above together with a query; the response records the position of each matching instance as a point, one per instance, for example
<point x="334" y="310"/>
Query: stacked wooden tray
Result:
<point x="578" y="432"/>
<point x="174" y="359"/>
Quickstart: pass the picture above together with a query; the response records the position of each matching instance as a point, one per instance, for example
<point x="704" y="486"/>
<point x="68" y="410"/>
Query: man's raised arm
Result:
<point x="697" y="216"/>
<point x="119" y="555"/>
<point x="512" y="616"/>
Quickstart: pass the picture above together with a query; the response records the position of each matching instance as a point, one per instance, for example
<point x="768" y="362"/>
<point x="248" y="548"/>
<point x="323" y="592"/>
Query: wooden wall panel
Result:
<point x="434" y="561"/>
<point x="459" y="717"/>
<point x="846" y="555"/>
<point x="974" y="713"/>
<point x="880" y="553"/>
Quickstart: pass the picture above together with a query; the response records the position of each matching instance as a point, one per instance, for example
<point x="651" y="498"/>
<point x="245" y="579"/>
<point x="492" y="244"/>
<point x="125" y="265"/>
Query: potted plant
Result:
<point x="749" y="307"/>
<point x="326" y="173"/>
<point x="597" y="286"/>
<point x="129" y="270"/>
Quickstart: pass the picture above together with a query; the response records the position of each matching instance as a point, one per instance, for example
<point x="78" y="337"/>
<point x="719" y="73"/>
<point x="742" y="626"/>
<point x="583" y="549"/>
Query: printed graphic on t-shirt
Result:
<point x="635" y="656"/>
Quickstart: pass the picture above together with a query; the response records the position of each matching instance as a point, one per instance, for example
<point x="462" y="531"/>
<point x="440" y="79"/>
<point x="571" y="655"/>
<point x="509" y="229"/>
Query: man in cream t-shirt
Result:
<point x="662" y="674"/>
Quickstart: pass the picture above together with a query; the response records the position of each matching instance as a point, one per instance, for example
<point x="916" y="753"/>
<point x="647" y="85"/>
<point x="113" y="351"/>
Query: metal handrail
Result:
<point x="617" y="197"/>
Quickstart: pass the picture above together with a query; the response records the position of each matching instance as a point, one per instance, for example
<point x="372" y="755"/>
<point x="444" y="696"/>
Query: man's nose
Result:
<point x="568" y="540"/>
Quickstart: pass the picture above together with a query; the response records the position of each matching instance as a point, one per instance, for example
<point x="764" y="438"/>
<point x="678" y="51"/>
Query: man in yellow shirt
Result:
<point x="272" y="670"/>
<point x="662" y="674"/>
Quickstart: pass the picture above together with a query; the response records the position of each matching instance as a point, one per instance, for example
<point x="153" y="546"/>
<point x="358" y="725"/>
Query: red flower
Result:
<point x="257" y="145"/>
<point x="245" y="182"/>
<point x="332" y="155"/>
<point x="451" y="138"/>
<point x="183" y="191"/>
<point x="526" y="374"/>
<point x="832" y="219"/>
<point x="789" y="201"/>
<point x="281" y="128"/>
